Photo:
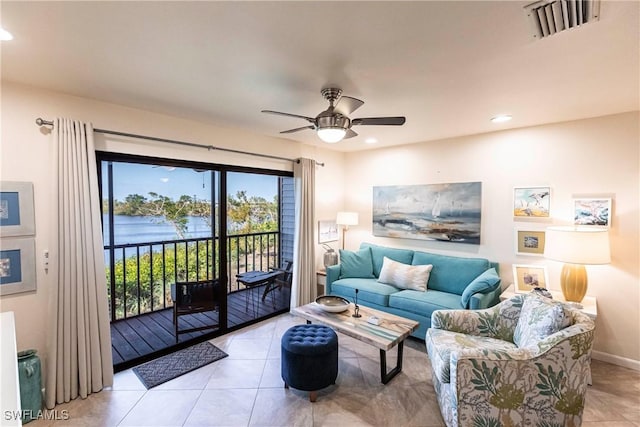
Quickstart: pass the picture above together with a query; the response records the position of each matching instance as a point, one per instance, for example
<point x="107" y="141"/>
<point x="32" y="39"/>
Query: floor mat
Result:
<point x="173" y="365"/>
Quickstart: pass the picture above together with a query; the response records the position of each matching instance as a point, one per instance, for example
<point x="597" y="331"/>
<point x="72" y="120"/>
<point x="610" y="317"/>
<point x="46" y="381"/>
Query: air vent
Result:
<point x="548" y="17"/>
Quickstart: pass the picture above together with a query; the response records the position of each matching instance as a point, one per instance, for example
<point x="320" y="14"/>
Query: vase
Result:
<point x="30" y="385"/>
<point x="330" y="258"/>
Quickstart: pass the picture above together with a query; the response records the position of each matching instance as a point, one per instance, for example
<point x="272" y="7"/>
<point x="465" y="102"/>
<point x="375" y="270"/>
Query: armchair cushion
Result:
<point x="487" y="281"/>
<point x="539" y="318"/>
<point x="405" y="276"/>
<point x="356" y="264"/>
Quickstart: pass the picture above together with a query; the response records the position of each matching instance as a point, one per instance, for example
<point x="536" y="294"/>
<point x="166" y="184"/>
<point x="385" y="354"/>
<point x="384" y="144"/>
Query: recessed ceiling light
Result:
<point x="370" y="140"/>
<point x="501" y="118"/>
<point x="5" y="35"/>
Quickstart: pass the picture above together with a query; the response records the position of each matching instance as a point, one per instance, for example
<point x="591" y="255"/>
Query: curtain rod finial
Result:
<point x="41" y="122"/>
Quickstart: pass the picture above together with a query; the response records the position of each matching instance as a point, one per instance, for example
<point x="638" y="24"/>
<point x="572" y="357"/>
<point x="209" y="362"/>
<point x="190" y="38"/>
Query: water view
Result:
<point x="141" y="229"/>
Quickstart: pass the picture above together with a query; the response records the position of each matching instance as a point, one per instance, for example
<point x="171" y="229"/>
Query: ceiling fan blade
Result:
<point x="297" y="129"/>
<point x="347" y="105"/>
<point x="350" y="134"/>
<point x="309" y="119"/>
<point x="392" y="121"/>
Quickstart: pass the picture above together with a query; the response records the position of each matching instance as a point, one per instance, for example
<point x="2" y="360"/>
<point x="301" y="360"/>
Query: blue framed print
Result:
<point x="17" y="265"/>
<point x="16" y="209"/>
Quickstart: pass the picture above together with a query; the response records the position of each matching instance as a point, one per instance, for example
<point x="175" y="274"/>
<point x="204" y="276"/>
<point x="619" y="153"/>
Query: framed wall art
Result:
<point x="527" y="277"/>
<point x="16" y="209"/>
<point x="530" y="242"/>
<point x="327" y="231"/>
<point x="531" y="202"/>
<point x="17" y="265"/>
<point x="449" y="212"/>
<point x="595" y="212"/>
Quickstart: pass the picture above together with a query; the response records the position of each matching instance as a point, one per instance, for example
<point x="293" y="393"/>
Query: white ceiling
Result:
<point x="448" y="66"/>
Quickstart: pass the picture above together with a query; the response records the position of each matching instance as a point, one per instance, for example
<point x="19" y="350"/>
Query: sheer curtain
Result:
<point x="79" y="345"/>
<point x="303" y="289"/>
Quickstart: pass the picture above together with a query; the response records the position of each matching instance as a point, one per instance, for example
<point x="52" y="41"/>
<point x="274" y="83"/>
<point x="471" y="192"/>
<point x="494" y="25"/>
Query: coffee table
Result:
<point x="391" y="331"/>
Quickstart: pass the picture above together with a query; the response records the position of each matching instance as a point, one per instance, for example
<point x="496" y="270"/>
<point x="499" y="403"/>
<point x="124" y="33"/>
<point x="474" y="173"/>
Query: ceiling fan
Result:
<point x="334" y="124"/>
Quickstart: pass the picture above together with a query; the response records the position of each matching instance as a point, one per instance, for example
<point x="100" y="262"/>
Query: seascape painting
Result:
<point x="444" y="212"/>
<point x="592" y="212"/>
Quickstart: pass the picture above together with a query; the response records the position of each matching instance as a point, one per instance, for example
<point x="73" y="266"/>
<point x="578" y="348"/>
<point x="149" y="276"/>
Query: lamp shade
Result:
<point x="347" y="218"/>
<point x="577" y="245"/>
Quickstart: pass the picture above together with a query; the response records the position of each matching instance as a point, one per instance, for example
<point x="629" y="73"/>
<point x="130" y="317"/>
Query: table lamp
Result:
<point x="576" y="247"/>
<point x="346" y="219"/>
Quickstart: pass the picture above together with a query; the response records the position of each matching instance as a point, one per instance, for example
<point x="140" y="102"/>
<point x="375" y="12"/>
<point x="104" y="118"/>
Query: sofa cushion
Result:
<point x="487" y="281"/>
<point x="423" y="303"/>
<point x="369" y="290"/>
<point x="405" y="276"/>
<point x="451" y="274"/>
<point x="539" y="318"/>
<point x="356" y="264"/>
<point x="441" y="343"/>
<point x="379" y="252"/>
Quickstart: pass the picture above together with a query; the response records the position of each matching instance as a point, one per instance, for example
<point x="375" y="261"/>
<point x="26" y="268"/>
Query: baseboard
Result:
<point x="616" y="360"/>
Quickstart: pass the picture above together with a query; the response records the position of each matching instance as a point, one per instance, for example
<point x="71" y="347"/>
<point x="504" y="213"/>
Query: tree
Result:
<point x="132" y="204"/>
<point x="251" y="214"/>
<point x="163" y="209"/>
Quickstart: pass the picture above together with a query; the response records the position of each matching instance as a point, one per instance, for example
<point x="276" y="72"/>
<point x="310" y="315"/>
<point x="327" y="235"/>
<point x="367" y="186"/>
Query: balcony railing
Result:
<point x="140" y="275"/>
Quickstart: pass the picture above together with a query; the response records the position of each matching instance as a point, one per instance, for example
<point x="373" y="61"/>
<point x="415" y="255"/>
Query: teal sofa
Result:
<point x="453" y="283"/>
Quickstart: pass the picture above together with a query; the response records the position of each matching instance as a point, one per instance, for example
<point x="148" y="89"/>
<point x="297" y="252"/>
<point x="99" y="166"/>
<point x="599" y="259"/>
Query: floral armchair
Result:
<point x="525" y="361"/>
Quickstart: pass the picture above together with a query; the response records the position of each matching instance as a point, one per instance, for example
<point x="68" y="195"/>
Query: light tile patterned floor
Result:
<point x="245" y="389"/>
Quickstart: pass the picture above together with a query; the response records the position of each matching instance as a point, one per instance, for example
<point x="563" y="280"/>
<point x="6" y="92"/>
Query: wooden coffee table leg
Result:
<point x="387" y="376"/>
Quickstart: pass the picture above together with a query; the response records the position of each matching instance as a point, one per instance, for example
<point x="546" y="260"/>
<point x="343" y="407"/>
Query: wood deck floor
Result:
<point x="144" y="337"/>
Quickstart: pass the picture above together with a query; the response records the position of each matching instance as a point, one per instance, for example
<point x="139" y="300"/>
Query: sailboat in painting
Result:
<point x="435" y="212"/>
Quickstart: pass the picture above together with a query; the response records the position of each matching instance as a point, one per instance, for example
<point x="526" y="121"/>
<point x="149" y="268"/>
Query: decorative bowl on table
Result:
<point x="332" y="303"/>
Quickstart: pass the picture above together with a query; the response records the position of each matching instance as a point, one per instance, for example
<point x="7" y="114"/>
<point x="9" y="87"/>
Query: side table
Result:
<point x="321" y="276"/>
<point x="589" y="304"/>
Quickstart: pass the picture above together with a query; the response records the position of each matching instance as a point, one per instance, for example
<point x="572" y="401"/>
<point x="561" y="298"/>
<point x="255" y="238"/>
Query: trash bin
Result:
<point x="30" y="384"/>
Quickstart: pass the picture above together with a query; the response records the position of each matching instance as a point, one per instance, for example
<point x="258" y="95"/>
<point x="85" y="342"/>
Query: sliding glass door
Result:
<point x="168" y="222"/>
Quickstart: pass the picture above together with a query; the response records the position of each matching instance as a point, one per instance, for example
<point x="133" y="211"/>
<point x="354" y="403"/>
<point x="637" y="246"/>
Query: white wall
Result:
<point x="594" y="157"/>
<point x="25" y="155"/>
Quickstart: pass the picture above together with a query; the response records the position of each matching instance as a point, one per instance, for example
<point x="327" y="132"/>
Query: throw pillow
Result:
<point x="356" y="264"/>
<point x="539" y="318"/>
<point x="487" y="281"/>
<point x="405" y="276"/>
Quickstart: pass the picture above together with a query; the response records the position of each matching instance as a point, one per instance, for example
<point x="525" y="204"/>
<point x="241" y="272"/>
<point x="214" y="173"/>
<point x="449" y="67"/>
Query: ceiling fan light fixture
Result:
<point x="331" y="135"/>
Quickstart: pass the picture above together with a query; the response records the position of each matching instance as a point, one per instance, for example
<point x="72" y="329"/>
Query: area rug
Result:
<point x="173" y="365"/>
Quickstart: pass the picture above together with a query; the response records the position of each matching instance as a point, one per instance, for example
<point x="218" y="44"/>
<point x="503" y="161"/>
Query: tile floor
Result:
<point x="245" y="389"/>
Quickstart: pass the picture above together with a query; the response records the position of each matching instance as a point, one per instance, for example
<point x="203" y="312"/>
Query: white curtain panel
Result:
<point x="303" y="289"/>
<point x="79" y="341"/>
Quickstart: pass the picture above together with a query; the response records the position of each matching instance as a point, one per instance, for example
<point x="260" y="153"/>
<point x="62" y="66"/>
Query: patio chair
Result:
<point x="283" y="280"/>
<point x="194" y="297"/>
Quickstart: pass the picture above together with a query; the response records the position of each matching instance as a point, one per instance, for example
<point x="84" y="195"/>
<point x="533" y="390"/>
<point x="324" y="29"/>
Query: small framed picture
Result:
<point x="595" y="212"/>
<point x="327" y="231"/>
<point x="16" y="209"/>
<point x="17" y="265"/>
<point x="527" y="277"/>
<point x="530" y="242"/>
<point x="531" y="202"/>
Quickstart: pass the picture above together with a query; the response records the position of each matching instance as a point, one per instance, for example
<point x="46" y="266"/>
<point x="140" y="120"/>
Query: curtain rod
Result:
<point x="42" y="122"/>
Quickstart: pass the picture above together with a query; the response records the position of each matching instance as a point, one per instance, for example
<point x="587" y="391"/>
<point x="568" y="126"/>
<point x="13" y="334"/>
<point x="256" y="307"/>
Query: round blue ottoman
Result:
<point x="309" y="358"/>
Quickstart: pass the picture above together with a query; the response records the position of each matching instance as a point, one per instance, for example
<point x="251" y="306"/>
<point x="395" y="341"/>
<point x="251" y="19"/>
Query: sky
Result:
<point x="173" y="182"/>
